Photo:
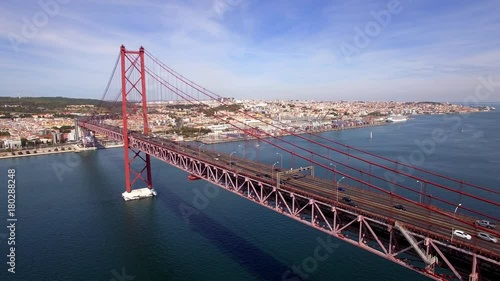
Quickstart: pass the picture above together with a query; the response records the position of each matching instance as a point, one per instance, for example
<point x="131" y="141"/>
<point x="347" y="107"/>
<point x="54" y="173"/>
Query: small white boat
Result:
<point x="399" y="118"/>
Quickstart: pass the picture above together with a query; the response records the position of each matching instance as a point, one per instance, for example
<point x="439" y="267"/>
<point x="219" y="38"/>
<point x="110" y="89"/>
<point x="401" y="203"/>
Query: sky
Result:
<point x="371" y="50"/>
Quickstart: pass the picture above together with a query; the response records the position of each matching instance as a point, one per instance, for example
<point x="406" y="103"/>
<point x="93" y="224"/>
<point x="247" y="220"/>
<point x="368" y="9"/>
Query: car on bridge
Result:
<point x="400" y="207"/>
<point x="485" y="223"/>
<point x="352" y="204"/>
<point x="341" y="189"/>
<point x="347" y="199"/>
<point x="461" y="234"/>
<point x="487" y="237"/>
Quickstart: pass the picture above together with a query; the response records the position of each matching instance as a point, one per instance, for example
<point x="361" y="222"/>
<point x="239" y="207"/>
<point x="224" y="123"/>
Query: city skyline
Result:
<point x="376" y="50"/>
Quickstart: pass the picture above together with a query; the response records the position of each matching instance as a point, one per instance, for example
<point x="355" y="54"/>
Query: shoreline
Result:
<point x="7" y="155"/>
<point x="44" y="151"/>
<point x="112" y="146"/>
<point x="216" y="141"/>
<point x="76" y="149"/>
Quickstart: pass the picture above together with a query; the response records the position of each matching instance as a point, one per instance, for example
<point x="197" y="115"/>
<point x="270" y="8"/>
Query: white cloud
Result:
<point x="229" y="47"/>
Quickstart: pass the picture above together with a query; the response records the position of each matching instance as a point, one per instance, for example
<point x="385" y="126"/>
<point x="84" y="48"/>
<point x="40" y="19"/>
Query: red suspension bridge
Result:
<point x="373" y="211"/>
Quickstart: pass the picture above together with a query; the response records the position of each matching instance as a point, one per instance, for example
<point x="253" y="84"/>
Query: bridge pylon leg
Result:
<point x="474" y="276"/>
<point x="134" y="87"/>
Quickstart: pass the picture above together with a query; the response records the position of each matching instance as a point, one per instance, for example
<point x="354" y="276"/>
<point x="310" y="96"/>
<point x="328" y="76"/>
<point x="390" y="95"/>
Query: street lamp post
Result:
<point x="231" y="162"/>
<point x="281" y="159"/>
<point x="272" y="169"/>
<point x="454" y="214"/>
<point x="338" y="188"/>
<point x="199" y="149"/>
<point x="334" y="171"/>
<point x="420" y="197"/>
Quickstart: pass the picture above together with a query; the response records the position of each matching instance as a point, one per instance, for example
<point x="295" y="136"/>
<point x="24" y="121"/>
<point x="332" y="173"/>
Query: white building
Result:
<point x="72" y="135"/>
<point x="12" y="144"/>
<point x="217" y="129"/>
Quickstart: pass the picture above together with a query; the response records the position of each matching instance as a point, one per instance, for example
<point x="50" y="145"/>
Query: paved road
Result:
<point x="369" y="201"/>
<point x="379" y="204"/>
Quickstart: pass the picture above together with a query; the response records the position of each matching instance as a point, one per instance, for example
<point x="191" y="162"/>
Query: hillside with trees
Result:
<point x="46" y="104"/>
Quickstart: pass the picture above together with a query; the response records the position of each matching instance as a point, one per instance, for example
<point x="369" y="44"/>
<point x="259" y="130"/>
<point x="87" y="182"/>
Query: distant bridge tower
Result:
<point x="133" y="80"/>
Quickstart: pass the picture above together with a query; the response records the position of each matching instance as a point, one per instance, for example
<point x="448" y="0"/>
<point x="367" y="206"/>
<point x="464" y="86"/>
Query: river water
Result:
<point x="73" y="225"/>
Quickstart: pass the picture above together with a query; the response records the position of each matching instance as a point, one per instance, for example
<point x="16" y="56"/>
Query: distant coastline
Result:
<point x="42" y="151"/>
<point x="224" y="140"/>
<point x="50" y="150"/>
<point x="76" y="149"/>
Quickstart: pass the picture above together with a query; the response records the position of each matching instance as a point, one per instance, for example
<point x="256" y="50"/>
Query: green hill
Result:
<point x="46" y="104"/>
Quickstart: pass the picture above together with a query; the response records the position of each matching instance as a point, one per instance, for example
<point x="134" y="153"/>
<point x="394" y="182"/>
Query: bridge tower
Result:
<point x="134" y="105"/>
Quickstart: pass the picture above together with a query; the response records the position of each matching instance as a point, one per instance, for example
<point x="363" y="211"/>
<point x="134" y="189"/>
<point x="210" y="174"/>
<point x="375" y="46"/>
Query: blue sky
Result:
<point x="283" y="49"/>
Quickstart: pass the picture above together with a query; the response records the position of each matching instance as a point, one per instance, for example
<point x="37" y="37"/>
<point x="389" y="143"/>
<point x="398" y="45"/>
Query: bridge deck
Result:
<point x="376" y="205"/>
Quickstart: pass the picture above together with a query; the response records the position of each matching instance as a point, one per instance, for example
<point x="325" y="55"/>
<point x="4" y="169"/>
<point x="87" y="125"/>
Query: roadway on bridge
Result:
<point x="376" y="204"/>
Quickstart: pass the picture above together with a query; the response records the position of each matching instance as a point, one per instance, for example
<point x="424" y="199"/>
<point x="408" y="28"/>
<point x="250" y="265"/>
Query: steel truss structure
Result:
<point x="404" y="244"/>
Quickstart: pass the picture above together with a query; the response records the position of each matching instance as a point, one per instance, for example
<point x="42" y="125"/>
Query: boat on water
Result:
<point x="396" y="118"/>
<point x="371" y="135"/>
<point x="192" y="177"/>
<point x="486" y="108"/>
